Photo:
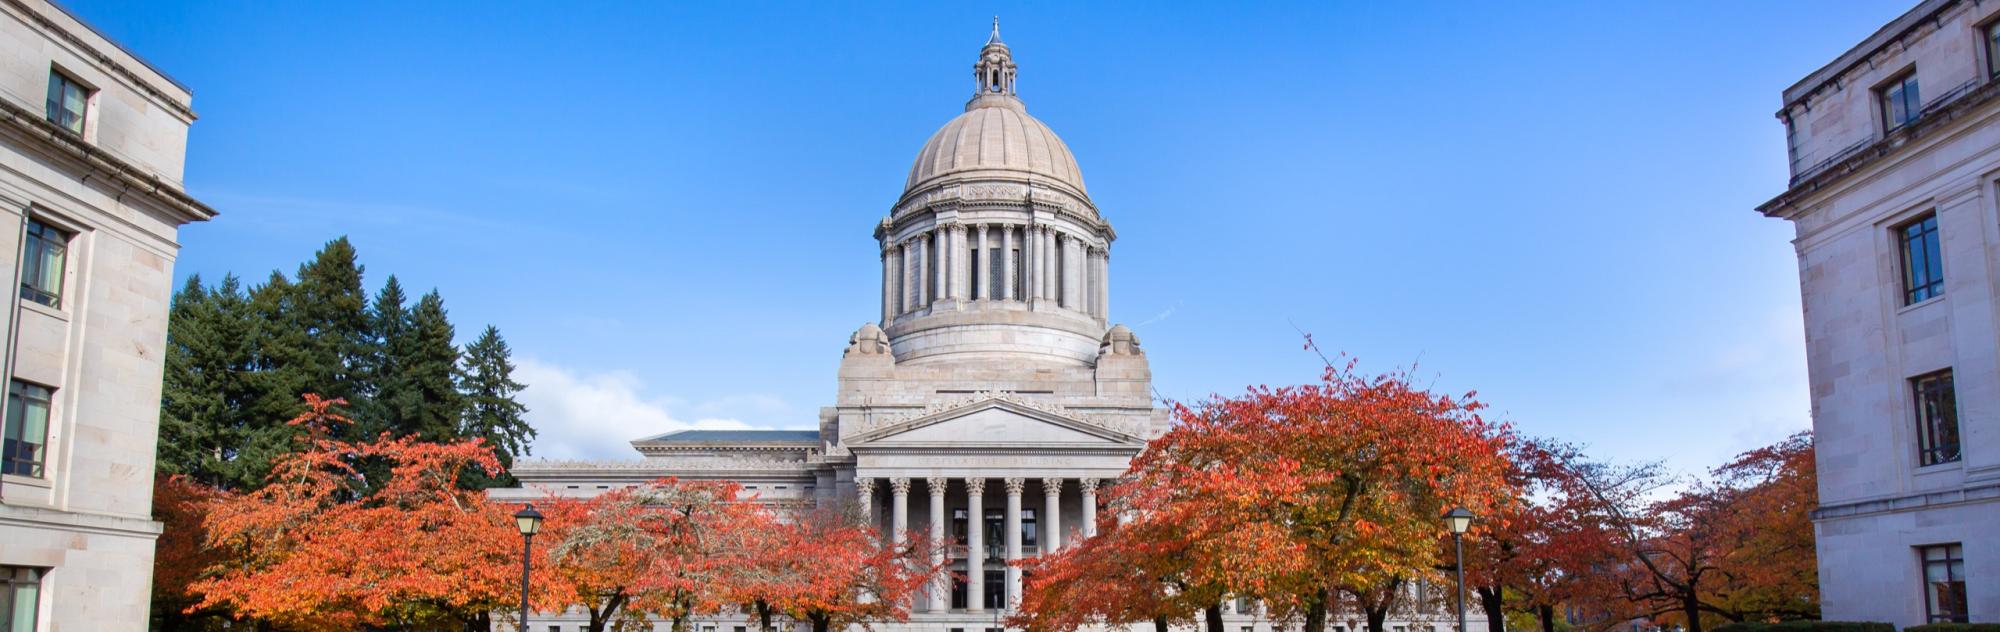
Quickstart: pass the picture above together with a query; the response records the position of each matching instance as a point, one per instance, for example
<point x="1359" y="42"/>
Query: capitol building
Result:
<point x="990" y="401"/>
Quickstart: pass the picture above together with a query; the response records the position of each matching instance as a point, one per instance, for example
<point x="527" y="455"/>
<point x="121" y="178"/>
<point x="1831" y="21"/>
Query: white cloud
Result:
<point x="596" y="415"/>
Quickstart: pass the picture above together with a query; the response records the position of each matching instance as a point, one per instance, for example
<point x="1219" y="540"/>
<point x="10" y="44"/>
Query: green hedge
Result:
<point x="1821" y="626"/>
<point x="1954" y="627"/>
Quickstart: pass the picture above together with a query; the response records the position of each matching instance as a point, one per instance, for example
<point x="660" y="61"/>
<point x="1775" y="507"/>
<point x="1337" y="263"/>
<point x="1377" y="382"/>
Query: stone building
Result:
<point x="91" y="141"/>
<point x="992" y="400"/>
<point x="1895" y="159"/>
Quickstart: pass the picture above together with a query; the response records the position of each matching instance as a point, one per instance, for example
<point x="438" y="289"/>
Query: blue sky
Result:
<point x="667" y="208"/>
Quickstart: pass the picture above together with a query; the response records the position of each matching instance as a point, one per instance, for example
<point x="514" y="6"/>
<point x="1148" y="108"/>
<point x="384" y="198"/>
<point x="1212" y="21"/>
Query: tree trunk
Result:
<point x="820" y="622"/>
<point x="1159" y="624"/>
<point x="764" y="615"/>
<point x="1316" y="611"/>
<point x="1375" y="617"/>
<point x="1491" y="599"/>
<point x="1691" y="607"/>
<point x="1213" y="614"/>
<point x="1547" y="614"/>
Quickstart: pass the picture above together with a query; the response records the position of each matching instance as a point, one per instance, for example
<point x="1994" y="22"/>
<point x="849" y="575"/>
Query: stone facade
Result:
<point x="1903" y="470"/>
<point x="992" y="405"/>
<point x="86" y="345"/>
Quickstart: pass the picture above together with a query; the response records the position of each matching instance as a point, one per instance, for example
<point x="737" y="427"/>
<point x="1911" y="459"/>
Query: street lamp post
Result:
<point x="1458" y="519"/>
<point x="530" y="523"/>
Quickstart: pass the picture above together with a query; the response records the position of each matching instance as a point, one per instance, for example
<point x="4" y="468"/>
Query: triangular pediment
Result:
<point x="995" y="421"/>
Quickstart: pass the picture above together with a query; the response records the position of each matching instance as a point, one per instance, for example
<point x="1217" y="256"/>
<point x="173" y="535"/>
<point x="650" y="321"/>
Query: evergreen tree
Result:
<point x="207" y="430"/>
<point x="389" y="332"/>
<point x="490" y="410"/>
<point x="330" y="310"/>
<point x="238" y="365"/>
<point x="426" y="400"/>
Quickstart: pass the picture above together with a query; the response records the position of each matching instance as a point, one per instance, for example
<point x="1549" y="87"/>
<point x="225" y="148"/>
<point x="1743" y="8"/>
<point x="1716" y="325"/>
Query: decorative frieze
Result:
<point x="877" y="422"/>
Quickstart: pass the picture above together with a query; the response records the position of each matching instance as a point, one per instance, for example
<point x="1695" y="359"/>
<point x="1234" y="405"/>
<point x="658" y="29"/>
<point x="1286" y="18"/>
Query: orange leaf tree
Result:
<point x="826" y="566"/>
<point x="181" y="555"/>
<point x="318" y="548"/>
<point x="665" y="548"/>
<point x="1543" y="545"/>
<point x="1294" y="494"/>
<point x="1769" y="566"/>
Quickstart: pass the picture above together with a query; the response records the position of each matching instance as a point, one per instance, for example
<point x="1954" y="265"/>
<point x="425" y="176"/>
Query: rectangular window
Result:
<point x="1020" y="278"/>
<point x="42" y="259"/>
<point x="1944" y="583"/>
<point x="1028" y="534"/>
<point x="67" y="101"/>
<point x="996" y="590"/>
<point x="1937" y="418"/>
<point x="1900" y="103"/>
<point x="20" y="597"/>
<point x="27" y="432"/>
<point x="1923" y="259"/>
<point x="972" y="264"/>
<point x="1993" y="48"/>
<point x="997" y="265"/>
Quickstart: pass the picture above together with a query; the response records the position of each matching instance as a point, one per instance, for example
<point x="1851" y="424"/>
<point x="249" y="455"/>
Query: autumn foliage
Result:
<point x="319" y="548"/>
<point x="1292" y="495"/>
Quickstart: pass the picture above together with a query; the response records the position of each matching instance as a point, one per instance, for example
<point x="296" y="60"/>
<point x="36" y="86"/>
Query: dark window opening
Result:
<point x="1900" y="102"/>
<point x="1923" y="260"/>
<point x="1944" y="583"/>
<point x="1937" y="418"/>
<point x="68" y="102"/>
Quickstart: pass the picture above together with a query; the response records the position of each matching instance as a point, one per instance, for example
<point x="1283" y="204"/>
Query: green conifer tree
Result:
<point x="491" y="413"/>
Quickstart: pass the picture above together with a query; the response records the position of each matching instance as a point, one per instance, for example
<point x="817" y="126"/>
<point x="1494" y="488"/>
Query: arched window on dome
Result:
<point x="993" y="83"/>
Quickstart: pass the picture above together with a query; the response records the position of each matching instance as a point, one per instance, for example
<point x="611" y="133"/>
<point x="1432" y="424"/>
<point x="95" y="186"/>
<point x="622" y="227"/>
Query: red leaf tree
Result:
<point x="663" y="548"/>
<point x="826" y="566"/>
<point x="319" y="548"/>
<point x="1295" y="494"/>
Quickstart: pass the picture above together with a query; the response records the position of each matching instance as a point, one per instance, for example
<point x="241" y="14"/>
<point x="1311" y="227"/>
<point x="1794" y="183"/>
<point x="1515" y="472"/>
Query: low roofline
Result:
<point x="1895" y="30"/>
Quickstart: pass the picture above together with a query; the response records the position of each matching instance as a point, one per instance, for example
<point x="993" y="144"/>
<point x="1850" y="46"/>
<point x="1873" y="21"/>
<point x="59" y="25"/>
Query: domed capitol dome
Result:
<point x="996" y="137"/>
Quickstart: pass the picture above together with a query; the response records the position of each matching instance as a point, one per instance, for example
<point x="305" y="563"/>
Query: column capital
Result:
<point x="938" y="485"/>
<point x="975" y="486"/>
<point x="900" y="485"/>
<point x="1015" y="485"/>
<point x="1088" y="485"/>
<point x="1052" y="485"/>
<point x="865" y="485"/>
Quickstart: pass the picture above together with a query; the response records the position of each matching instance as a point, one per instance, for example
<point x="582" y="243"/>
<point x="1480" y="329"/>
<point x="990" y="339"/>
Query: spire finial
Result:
<point x="995" y="38"/>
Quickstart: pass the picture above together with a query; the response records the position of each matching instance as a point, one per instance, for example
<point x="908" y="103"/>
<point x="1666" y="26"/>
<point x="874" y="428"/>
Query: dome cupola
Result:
<point x="995" y="251"/>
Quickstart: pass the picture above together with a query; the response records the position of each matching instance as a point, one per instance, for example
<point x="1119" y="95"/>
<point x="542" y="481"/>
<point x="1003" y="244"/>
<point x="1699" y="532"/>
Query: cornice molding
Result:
<point x="1861" y="158"/>
<point x="61" y="143"/>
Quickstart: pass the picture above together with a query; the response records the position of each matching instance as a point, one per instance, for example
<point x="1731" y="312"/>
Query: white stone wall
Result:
<point x="87" y="521"/>
<point x="1878" y="503"/>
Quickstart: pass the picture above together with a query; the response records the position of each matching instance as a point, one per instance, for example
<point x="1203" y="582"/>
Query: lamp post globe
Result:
<point x="1459" y="520"/>
<point x="529" y="522"/>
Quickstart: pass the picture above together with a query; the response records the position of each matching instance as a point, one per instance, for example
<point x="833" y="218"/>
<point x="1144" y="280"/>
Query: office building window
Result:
<point x="1993" y="48"/>
<point x="27" y="433"/>
<point x="1923" y="259"/>
<point x="67" y="101"/>
<point x="42" y="258"/>
<point x="1944" y="583"/>
<point x="20" y="596"/>
<point x="1900" y="103"/>
<point x="1937" y="418"/>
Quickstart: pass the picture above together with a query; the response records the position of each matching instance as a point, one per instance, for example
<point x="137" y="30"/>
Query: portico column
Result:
<point x="975" y="545"/>
<point x="1089" y="487"/>
<point x="1052" y="533"/>
<point x="899" y="509"/>
<point x="940" y="590"/>
<point x="865" y="488"/>
<point x="1014" y="486"/>
<point x="1007" y="258"/>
